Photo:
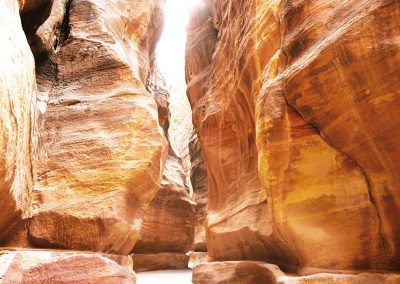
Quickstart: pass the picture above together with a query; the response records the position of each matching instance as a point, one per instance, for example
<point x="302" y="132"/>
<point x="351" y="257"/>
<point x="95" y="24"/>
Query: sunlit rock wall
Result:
<point x="17" y="102"/>
<point x="198" y="177"/>
<point x="101" y="151"/>
<point x="298" y="122"/>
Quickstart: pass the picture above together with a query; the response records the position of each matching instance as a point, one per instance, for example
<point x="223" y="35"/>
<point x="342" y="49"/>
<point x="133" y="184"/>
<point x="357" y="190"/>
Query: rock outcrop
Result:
<point x="101" y="152"/>
<point x="168" y="223"/>
<point x="87" y="165"/>
<point x="295" y="107"/>
<point x="54" y="267"/>
<point x="17" y="104"/>
<point x="198" y="177"/>
<point x="159" y="261"/>
<point x="255" y="272"/>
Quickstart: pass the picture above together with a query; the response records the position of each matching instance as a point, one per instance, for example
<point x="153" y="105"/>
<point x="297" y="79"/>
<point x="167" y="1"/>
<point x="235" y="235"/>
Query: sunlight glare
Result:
<point x="171" y="62"/>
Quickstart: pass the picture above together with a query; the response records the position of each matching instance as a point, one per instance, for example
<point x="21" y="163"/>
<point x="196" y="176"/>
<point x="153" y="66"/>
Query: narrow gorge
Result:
<point x="268" y="152"/>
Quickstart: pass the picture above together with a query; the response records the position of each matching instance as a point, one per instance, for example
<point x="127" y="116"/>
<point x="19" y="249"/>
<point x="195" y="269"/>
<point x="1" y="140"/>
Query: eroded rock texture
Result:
<point x="296" y="110"/>
<point x="159" y="261"/>
<point x="17" y="103"/>
<point x="41" y="266"/>
<point x="168" y="223"/>
<point x="101" y="151"/>
<point x="255" y="272"/>
<point x="198" y="177"/>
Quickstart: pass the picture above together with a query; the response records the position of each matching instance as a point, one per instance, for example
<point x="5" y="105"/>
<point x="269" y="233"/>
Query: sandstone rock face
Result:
<point x="199" y="50"/>
<point x="168" y="223"/>
<point x="17" y="102"/>
<point x="159" y="261"/>
<point x="56" y="267"/>
<point x="101" y="150"/>
<point x="198" y="177"/>
<point x="255" y="272"/>
<point x="236" y="272"/>
<point x="297" y="120"/>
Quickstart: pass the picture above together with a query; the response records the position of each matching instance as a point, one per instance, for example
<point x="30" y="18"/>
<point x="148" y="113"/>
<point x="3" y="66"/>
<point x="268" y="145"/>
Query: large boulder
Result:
<point x="64" y="267"/>
<point x="256" y="272"/>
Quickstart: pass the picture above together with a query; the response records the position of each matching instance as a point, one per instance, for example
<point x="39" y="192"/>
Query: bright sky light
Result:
<point x="171" y="47"/>
<point x="171" y="61"/>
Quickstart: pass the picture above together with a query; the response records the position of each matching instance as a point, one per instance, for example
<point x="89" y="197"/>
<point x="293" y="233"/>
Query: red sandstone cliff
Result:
<point x="295" y="104"/>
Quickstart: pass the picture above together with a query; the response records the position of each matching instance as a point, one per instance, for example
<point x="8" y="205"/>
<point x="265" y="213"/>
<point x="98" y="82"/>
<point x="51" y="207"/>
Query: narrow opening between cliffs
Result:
<point x="170" y="60"/>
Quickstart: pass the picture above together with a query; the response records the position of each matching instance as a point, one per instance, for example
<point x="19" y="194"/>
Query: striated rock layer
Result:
<point x="159" y="261"/>
<point x="198" y="177"/>
<point x="255" y="272"/>
<point x="168" y="223"/>
<point x="17" y="103"/>
<point x="295" y="106"/>
<point x="101" y="150"/>
<point x="56" y="267"/>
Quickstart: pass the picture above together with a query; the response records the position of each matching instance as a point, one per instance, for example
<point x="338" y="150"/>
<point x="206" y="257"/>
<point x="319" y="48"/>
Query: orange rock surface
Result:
<point x="198" y="177"/>
<point x="298" y="125"/>
<point x="255" y="272"/>
<point x="17" y="103"/>
<point x="159" y="261"/>
<point x="101" y="151"/>
<point x="168" y="223"/>
<point x="53" y="267"/>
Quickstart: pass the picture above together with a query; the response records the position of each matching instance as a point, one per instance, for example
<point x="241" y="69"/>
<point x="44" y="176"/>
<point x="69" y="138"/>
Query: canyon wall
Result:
<point x="198" y="177"/>
<point x="100" y="152"/>
<point x="295" y="104"/>
<point x="85" y="162"/>
<point x="17" y="104"/>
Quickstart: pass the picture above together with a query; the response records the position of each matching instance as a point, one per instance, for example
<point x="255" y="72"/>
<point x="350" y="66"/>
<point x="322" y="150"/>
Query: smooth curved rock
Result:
<point x="46" y="266"/>
<point x="298" y="125"/>
<point x="17" y="103"/>
<point x="236" y="272"/>
<point x="101" y="150"/>
<point x="159" y="261"/>
<point x="255" y="272"/>
<point x="168" y="223"/>
<point x="198" y="177"/>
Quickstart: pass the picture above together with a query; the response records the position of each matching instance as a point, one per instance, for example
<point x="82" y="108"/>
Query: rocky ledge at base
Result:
<point x="256" y="272"/>
<point x="34" y="266"/>
<point x="159" y="261"/>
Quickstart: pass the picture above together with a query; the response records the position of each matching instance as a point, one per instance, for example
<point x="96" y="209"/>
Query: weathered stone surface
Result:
<point x="326" y="128"/>
<point x="29" y="5"/>
<point x="255" y="272"/>
<point x="17" y="103"/>
<point x="168" y="223"/>
<point x="159" y="261"/>
<point x="197" y="258"/>
<point x="198" y="177"/>
<point x="42" y="266"/>
<point x="220" y="92"/>
<point x="101" y="151"/>
<point x="199" y="50"/>
<point x="362" y="278"/>
<point x="298" y="125"/>
<point x="236" y="272"/>
<point x="157" y="87"/>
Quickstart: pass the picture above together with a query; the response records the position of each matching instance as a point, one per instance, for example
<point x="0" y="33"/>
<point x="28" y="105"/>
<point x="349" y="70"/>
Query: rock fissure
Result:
<point x="64" y="31"/>
<point x="291" y="158"/>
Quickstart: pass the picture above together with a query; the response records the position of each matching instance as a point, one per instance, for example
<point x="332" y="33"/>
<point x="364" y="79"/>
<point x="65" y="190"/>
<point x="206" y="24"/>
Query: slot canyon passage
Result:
<point x="270" y="153"/>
